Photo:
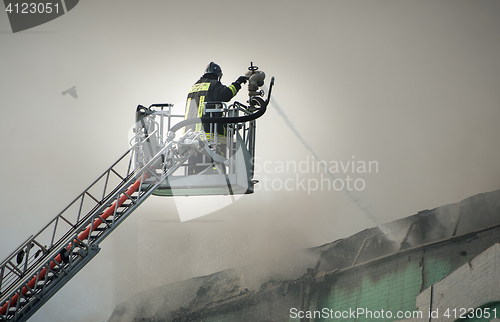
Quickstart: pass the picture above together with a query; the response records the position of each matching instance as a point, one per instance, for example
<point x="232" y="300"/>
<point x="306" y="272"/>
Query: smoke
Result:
<point x="362" y="205"/>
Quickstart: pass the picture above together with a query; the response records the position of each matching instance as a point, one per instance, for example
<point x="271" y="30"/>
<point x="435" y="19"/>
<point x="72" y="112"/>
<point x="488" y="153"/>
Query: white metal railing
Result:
<point x="45" y="261"/>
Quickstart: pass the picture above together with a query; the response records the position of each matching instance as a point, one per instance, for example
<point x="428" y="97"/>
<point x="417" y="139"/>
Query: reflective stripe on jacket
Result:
<point x="207" y="89"/>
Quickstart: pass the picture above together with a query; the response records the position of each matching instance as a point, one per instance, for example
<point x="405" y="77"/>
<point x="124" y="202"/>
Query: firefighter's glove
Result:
<point x="242" y="80"/>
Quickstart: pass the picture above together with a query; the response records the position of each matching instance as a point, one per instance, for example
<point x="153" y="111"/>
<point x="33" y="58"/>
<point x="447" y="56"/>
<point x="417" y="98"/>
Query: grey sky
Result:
<point x="413" y="85"/>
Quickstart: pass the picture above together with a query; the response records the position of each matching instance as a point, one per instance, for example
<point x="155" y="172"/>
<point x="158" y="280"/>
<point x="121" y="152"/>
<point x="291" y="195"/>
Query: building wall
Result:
<point x="408" y="267"/>
<point x="471" y="292"/>
<point x="393" y="284"/>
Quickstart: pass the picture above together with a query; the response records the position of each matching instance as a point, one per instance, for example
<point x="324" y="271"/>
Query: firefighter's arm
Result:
<point x="226" y="93"/>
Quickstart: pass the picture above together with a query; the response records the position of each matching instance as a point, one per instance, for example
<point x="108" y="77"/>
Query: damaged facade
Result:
<point x="437" y="259"/>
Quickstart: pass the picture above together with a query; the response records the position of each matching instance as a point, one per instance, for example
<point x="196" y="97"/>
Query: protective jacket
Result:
<point x="207" y="89"/>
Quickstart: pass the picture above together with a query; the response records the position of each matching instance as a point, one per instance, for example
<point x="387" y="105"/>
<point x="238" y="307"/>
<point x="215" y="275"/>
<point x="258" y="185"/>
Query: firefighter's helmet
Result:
<point x="213" y="68"/>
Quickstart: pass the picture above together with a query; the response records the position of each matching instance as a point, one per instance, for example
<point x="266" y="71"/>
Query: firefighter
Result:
<point x="210" y="89"/>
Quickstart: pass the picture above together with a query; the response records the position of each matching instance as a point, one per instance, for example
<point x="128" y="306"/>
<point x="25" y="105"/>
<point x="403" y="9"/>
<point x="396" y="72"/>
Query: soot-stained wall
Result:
<point x="379" y="269"/>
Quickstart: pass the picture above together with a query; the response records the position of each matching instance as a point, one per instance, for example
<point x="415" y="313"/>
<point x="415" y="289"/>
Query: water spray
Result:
<point x="360" y="204"/>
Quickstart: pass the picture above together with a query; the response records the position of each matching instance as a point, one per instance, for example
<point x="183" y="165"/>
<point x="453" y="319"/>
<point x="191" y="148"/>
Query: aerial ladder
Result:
<point x="156" y="164"/>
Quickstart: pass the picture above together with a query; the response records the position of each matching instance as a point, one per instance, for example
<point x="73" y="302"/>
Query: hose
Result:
<point x="225" y="120"/>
